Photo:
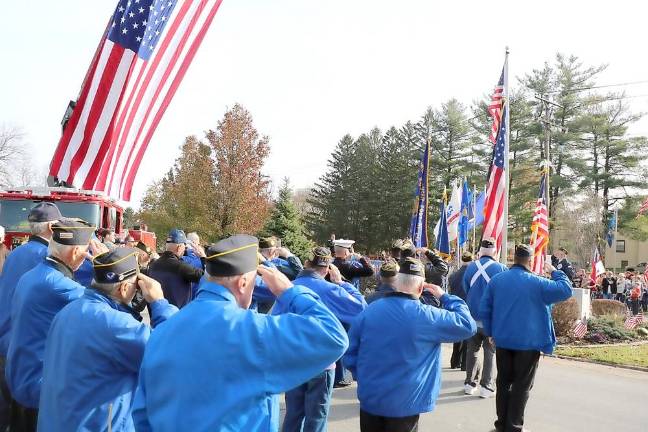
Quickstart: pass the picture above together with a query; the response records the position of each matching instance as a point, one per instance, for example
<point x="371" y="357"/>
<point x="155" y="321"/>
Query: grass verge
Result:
<point x="630" y="355"/>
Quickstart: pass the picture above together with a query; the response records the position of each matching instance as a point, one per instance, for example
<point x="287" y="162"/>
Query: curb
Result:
<point x="601" y="363"/>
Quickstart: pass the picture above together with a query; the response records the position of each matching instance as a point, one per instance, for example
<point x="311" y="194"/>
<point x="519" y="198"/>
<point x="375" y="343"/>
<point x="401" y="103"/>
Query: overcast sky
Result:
<point x="310" y="72"/>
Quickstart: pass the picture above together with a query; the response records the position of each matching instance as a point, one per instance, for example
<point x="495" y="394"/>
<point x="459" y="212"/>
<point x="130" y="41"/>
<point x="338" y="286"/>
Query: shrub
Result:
<point x="602" y="307"/>
<point x="608" y="327"/>
<point x="564" y="316"/>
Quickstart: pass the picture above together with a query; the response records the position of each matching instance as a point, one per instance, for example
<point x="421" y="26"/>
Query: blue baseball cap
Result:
<point x="44" y="212"/>
<point x="176" y="236"/>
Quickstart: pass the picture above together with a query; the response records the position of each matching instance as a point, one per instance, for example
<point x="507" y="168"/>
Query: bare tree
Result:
<point x="11" y="150"/>
<point x="581" y="224"/>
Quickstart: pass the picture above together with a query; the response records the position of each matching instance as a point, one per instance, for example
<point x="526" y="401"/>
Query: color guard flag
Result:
<point x="597" y="266"/>
<point x="137" y="68"/>
<point x="540" y="229"/>
<point x="418" y="225"/>
<point x="442" y="244"/>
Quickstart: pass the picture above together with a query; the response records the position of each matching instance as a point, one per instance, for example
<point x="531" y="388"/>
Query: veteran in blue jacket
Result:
<point x="516" y="312"/>
<point x="95" y="347"/>
<point x="388" y="272"/>
<point x="20" y="261"/>
<point x="218" y="366"/>
<point x="307" y="405"/>
<point x="406" y="336"/>
<point x="477" y="276"/>
<point x="41" y="293"/>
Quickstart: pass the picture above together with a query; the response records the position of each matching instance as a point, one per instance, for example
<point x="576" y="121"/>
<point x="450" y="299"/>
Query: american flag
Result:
<point x="496" y="107"/>
<point x="540" y="229"/>
<point x="643" y="208"/>
<point x="580" y="329"/>
<point x="633" y="321"/>
<point x="496" y="189"/>
<point x="139" y="64"/>
<point x="598" y="268"/>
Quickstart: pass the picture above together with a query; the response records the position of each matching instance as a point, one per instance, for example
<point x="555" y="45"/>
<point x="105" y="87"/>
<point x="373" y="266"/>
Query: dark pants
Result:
<point x="22" y="419"/>
<point x="458" y="358"/>
<point x="342" y="375"/>
<point x="515" y="374"/>
<point x="372" y="423"/>
<point x="307" y="406"/>
<point x="635" y="307"/>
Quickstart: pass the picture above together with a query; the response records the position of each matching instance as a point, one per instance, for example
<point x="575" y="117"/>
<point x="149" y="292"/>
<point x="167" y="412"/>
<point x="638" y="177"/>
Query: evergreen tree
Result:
<point x="286" y="224"/>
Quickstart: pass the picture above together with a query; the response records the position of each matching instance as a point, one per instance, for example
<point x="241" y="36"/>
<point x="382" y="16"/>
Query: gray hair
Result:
<point x="407" y="283"/>
<point x="39" y="228"/>
<point x="57" y="249"/>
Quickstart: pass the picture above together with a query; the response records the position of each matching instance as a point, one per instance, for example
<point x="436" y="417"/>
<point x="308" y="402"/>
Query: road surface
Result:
<point x="568" y="396"/>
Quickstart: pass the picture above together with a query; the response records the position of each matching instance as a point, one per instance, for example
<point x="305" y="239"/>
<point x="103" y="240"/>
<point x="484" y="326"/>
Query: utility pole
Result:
<point x="547" y="109"/>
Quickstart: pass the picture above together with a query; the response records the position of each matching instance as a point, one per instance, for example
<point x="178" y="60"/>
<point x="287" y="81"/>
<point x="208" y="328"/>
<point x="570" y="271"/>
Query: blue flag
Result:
<point x="612" y="224"/>
<point x="478" y="220"/>
<point x="442" y="243"/>
<point x="466" y="213"/>
<point x="418" y="226"/>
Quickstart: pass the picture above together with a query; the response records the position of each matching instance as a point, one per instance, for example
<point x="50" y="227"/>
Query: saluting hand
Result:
<point x="435" y="290"/>
<point x="276" y="281"/>
<point x="549" y="268"/>
<point x="96" y="248"/>
<point x="335" y="275"/>
<point x="151" y="289"/>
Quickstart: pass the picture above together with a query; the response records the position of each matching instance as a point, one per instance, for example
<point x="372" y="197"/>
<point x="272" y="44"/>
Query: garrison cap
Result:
<point x="408" y="249"/>
<point x="72" y="232"/>
<point x="487" y="244"/>
<point x="267" y="242"/>
<point x="389" y="268"/>
<point x="523" y="251"/>
<point x="116" y="265"/>
<point x="321" y="257"/>
<point x="412" y="266"/>
<point x="44" y="212"/>
<point x="467" y="257"/>
<point x="144" y="247"/>
<point x="235" y="255"/>
<point x="397" y="244"/>
<point x="176" y="236"/>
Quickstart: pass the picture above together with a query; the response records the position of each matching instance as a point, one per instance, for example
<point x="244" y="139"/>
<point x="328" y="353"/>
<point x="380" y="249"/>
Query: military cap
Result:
<point x="389" y="268"/>
<point x="144" y="247"/>
<point x="397" y="244"/>
<point x="467" y="257"/>
<point x="487" y="244"/>
<point x="176" y="236"/>
<point x="412" y="266"/>
<point x="321" y="257"/>
<point x="523" y="251"/>
<point x="562" y="249"/>
<point x="116" y="265"/>
<point x="235" y="255"/>
<point x="72" y="232"/>
<point x="408" y="250"/>
<point x="44" y="212"/>
<point x="267" y="242"/>
<point x="344" y="243"/>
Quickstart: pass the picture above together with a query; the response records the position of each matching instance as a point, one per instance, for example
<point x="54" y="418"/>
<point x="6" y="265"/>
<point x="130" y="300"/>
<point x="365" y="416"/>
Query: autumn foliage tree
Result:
<point x="215" y="187"/>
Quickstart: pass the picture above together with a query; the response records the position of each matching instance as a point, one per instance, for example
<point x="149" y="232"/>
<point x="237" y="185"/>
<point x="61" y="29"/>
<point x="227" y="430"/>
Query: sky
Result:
<point x="311" y="72"/>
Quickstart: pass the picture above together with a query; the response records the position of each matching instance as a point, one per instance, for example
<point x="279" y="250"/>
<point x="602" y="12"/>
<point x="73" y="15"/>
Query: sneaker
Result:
<point x="485" y="393"/>
<point x="469" y="390"/>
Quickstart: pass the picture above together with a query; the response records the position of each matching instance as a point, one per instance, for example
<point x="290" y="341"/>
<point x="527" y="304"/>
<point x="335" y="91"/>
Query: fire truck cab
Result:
<point x="91" y="206"/>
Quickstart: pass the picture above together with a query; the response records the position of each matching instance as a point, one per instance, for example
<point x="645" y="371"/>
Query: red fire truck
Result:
<point x="94" y="207"/>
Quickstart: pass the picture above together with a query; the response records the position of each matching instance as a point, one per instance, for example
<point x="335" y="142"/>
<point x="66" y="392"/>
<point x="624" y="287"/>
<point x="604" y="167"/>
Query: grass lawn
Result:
<point x="633" y="355"/>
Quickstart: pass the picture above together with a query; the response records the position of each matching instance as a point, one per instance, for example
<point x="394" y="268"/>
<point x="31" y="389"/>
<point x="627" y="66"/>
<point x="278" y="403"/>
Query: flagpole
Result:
<point x="474" y="209"/>
<point x="504" y="250"/>
<point x="616" y="230"/>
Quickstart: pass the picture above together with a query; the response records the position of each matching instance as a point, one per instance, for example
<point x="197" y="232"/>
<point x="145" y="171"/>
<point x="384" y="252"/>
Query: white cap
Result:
<point x="343" y="243"/>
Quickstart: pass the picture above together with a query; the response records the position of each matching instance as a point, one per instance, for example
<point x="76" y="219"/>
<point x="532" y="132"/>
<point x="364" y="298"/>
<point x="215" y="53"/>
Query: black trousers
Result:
<point x="458" y="358"/>
<point x="372" y="423"/>
<point x="22" y="419"/>
<point x="515" y="374"/>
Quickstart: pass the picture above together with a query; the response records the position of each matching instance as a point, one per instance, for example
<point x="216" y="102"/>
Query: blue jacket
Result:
<point x="92" y="358"/>
<point x="227" y="365"/>
<point x="382" y="290"/>
<point x="516" y="309"/>
<point x="176" y="278"/>
<point x="193" y="260"/>
<point x="20" y="261"/>
<point x="85" y="273"/>
<point x="41" y="293"/>
<point x="475" y="289"/>
<point x="262" y="296"/>
<point x="343" y="300"/>
<point x="395" y="352"/>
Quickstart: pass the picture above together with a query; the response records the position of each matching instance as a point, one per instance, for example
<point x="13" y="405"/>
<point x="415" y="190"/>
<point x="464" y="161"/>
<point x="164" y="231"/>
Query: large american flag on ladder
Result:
<point x="494" y="222"/>
<point x="138" y="66"/>
<point x="540" y="229"/>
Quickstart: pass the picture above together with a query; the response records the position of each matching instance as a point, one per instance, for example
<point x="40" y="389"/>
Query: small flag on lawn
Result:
<point x="633" y="321"/>
<point x="580" y="329"/>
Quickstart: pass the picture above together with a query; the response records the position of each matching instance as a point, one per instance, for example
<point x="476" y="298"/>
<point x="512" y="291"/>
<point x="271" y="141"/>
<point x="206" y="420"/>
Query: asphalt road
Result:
<point x="568" y="396"/>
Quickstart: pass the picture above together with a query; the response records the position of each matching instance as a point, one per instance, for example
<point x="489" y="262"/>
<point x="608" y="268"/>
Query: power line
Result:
<point x="601" y="86"/>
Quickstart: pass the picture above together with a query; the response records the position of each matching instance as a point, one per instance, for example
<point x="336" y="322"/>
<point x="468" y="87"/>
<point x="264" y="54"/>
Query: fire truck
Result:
<point x="91" y="206"/>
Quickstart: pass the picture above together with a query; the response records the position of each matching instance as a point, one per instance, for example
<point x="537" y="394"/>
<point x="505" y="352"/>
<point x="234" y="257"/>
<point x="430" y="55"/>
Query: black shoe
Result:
<point x="343" y="383"/>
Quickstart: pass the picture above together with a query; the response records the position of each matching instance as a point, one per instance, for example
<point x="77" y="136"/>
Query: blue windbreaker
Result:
<point x="92" y="358"/>
<point x="474" y="282"/>
<point x="516" y="309"/>
<point x="41" y="293"/>
<point x="395" y="352"/>
<point x="225" y="366"/>
<point x="20" y="261"/>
